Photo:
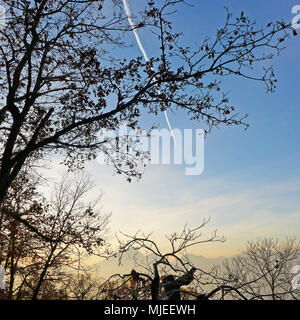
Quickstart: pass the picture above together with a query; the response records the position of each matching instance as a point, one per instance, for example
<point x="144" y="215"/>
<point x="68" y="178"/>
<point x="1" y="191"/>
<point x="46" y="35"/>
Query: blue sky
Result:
<point x="274" y="126"/>
<point x="250" y="186"/>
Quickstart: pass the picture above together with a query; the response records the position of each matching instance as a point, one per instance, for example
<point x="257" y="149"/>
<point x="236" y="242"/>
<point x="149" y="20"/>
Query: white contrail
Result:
<point x="138" y="40"/>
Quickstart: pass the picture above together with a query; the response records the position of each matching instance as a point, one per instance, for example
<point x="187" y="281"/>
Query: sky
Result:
<point x="250" y="186"/>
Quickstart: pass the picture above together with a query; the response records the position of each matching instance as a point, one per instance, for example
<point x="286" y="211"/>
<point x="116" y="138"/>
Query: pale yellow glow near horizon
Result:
<point x="165" y="200"/>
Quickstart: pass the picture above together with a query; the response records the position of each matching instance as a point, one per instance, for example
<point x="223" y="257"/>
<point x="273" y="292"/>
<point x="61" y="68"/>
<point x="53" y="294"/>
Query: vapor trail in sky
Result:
<point x="138" y="40"/>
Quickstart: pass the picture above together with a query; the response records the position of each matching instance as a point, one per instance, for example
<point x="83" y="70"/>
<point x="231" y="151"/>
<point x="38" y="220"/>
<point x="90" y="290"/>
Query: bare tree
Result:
<point x="75" y="225"/>
<point x="163" y="274"/>
<point x="62" y="85"/>
<point x="82" y="286"/>
<point x="264" y="270"/>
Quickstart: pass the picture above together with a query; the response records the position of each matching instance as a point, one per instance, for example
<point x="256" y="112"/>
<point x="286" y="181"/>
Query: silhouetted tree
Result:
<point x="163" y="274"/>
<point x="73" y="228"/>
<point x="264" y="270"/>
